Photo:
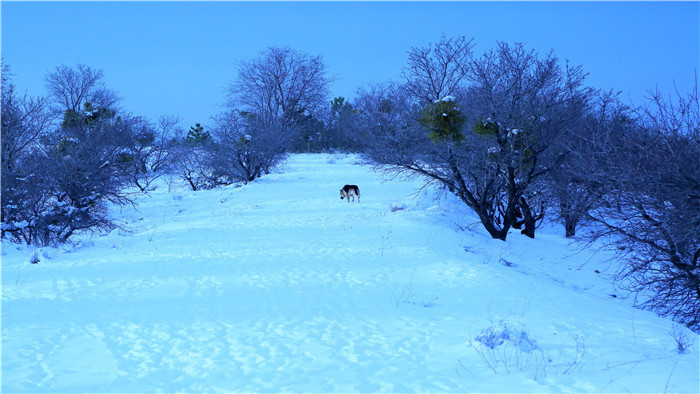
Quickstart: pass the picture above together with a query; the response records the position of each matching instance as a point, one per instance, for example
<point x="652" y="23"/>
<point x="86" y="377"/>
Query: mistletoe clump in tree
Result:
<point x="444" y="120"/>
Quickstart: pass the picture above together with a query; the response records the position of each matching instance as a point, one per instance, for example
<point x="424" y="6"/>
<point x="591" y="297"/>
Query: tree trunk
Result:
<point x="529" y="230"/>
<point x="571" y="221"/>
<point x="487" y="219"/>
<point x="570" y="228"/>
<point x="529" y="219"/>
<point x="494" y="231"/>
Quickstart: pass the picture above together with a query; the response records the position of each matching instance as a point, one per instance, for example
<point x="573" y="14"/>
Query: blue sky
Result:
<point x="176" y="58"/>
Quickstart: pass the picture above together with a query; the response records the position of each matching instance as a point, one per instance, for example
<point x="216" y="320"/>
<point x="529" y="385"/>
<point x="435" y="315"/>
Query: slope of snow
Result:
<point x="281" y="286"/>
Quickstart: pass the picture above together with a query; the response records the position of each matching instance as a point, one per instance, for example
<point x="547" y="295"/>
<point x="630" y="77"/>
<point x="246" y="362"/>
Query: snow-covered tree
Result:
<point x="70" y="174"/>
<point x="193" y="158"/>
<point x="245" y="147"/>
<point x="521" y="105"/>
<point x="25" y="121"/>
<point x="651" y="207"/>
<point x="577" y="186"/>
<point x="437" y="70"/>
<point x="489" y="139"/>
<point x="147" y="149"/>
<point x="84" y="169"/>
<point x="70" y="88"/>
<point x="285" y="89"/>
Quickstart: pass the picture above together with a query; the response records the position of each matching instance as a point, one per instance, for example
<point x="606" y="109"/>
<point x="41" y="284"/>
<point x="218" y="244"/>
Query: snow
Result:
<point x="281" y="286"/>
<point x="15" y="225"/>
<point x="446" y="99"/>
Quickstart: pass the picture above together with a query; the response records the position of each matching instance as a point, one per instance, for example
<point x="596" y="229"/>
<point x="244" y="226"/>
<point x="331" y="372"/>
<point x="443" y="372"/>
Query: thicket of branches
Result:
<point x="67" y="157"/>
<point x="284" y="89"/>
<point x="247" y="148"/>
<point x="486" y="128"/>
<point x="515" y="135"/>
<point x="650" y="206"/>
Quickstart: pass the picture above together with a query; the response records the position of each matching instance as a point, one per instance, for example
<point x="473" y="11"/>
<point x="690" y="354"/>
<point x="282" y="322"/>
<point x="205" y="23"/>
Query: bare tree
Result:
<point x="71" y="88"/>
<point x="160" y="158"/>
<point x="578" y="185"/>
<point x="436" y="71"/>
<point x="281" y="86"/>
<point x="25" y="121"/>
<point x="522" y="105"/>
<point x="148" y="148"/>
<point x="192" y="158"/>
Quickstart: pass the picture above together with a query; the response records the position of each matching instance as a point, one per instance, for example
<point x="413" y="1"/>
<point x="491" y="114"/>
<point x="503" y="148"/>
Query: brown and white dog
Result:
<point x="350" y="191"/>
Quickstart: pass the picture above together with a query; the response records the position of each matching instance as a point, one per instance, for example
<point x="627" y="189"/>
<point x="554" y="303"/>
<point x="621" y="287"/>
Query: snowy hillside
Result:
<point x="281" y="286"/>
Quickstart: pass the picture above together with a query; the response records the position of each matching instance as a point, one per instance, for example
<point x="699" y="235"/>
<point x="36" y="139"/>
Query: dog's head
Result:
<point x="342" y="194"/>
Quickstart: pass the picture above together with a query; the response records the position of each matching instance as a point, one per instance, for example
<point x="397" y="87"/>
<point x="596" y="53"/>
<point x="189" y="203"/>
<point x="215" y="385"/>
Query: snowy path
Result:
<point x="282" y="286"/>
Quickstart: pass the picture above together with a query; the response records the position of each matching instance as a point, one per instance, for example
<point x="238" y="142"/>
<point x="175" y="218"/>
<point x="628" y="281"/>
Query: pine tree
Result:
<point x="197" y="134"/>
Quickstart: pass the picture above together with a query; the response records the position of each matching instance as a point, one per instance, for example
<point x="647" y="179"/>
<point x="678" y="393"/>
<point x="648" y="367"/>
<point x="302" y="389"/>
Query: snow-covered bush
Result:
<point x="25" y="121"/>
<point x="35" y="257"/>
<point x="74" y="185"/>
<point x="246" y="148"/>
<point x="148" y="150"/>
<point x="193" y="163"/>
<point x="577" y="185"/>
<point x="65" y="177"/>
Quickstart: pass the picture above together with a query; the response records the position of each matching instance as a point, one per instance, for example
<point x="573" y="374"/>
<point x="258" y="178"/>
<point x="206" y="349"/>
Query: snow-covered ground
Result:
<point x="281" y="286"/>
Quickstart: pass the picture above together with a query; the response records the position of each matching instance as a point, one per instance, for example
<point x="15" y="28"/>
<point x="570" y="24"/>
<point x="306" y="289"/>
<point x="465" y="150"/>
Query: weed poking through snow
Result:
<point x="507" y="347"/>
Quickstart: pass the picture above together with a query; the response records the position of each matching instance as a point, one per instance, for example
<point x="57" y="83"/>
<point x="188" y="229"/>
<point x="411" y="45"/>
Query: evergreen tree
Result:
<point x="197" y="134"/>
<point x="342" y="125"/>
